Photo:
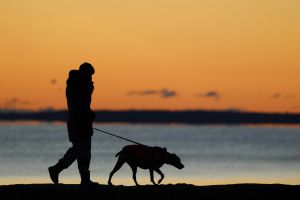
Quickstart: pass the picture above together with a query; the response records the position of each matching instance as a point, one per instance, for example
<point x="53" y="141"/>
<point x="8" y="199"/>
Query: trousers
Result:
<point x="80" y="151"/>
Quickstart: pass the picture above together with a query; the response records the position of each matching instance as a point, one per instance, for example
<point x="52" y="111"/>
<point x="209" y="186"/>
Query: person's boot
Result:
<point x="85" y="179"/>
<point x="54" y="173"/>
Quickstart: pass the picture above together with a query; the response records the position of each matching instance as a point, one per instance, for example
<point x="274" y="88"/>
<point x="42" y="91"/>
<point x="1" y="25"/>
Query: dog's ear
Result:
<point x="165" y="149"/>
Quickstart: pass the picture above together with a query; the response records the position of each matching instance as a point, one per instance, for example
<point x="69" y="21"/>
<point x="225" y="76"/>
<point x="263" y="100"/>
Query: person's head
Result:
<point x="87" y="69"/>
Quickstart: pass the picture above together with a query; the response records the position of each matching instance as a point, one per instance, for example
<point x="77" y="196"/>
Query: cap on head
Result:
<point x="87" y="68"/>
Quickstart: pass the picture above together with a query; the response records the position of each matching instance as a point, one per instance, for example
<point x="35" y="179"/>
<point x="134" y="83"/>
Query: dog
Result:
<point x="145" y="157"/>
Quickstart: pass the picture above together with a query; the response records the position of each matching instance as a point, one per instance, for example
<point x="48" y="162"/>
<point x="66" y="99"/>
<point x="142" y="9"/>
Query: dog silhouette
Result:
<point x="145" y="157"/>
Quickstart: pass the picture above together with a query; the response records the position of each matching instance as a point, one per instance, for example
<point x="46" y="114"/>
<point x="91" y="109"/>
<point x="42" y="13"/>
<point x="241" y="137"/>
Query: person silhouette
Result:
<point x="79" y="124"/>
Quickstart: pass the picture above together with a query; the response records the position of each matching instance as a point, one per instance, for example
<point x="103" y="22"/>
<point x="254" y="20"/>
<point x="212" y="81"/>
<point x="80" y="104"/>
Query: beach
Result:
<point x="177" y="191"/>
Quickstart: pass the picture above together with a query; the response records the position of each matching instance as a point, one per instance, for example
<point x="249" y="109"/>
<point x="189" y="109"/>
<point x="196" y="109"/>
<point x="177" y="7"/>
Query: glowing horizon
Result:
<point x="145" y="181"/>
<point x="164" y="54"/>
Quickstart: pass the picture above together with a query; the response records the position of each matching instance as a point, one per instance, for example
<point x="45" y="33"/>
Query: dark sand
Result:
<point x="178" y="191"/>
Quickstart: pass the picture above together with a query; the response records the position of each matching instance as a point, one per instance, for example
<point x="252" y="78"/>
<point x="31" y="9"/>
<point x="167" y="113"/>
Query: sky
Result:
<point x="153" y="54"/>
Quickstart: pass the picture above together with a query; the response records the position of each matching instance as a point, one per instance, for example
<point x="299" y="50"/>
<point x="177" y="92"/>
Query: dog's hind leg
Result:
<point x="118" y="165"/>
<point x="161" y="175"/>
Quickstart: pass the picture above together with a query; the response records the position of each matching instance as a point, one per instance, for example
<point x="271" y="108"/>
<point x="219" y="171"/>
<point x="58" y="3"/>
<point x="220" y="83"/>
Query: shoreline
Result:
<point x="170" y="191"/>
<point x="163" y="116"/>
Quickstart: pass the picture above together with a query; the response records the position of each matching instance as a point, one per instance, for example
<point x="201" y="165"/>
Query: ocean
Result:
<point x="212" y="154"/>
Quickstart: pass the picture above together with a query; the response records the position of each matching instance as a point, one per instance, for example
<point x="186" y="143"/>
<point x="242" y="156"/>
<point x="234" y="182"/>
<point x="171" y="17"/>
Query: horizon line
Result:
<point x="4" y="110"/>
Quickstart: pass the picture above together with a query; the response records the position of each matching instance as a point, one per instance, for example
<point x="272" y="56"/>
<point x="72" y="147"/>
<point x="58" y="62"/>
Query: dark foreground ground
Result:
<point x="178" y="191"/>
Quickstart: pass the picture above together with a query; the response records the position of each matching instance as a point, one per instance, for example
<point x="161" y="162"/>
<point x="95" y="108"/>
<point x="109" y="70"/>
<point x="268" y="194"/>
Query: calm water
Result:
<point x="212" y="154"/>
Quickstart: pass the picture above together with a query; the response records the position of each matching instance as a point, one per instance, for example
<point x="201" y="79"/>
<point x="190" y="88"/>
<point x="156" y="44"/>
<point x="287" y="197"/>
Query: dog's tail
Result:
<point x="118" y="153"/>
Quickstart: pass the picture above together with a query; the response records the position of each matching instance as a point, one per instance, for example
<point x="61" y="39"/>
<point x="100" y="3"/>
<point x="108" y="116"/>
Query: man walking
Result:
<point x="80" y="124"/>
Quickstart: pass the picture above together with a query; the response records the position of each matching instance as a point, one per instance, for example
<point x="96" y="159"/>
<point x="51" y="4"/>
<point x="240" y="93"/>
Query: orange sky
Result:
<point x="214" y="54"/>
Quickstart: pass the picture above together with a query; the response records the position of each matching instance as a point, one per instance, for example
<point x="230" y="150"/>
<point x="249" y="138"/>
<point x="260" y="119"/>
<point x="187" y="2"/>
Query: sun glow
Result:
<point x="244" y="51"/>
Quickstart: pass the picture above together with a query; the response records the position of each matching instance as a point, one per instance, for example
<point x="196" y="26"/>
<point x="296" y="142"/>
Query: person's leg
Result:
<point x="83" y="161"/>
<point x="84" y="154"/>
<point x="63" y="163"/>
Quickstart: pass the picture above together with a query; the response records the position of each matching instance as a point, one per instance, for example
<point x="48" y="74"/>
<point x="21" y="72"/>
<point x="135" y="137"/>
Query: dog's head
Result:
<point x="174" y="160"/>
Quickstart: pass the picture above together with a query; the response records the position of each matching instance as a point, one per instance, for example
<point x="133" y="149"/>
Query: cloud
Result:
<point x="164" y="93"/>
<point x="14" y="102"/>
<point x="210" y="94"/>
<point x="278" y="95"/>
<point x="53" y="81"/>
<point x="289" y="96"/>
<point x="275" y="95"/>
<point x="144" y="92"/>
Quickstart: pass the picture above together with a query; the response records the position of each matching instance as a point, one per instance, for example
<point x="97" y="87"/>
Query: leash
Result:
<point x="118" y="136"/>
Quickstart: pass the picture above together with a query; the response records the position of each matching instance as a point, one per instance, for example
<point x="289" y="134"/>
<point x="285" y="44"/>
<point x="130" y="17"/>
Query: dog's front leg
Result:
<point x="152" y="176"/>
<point x="134" y="170"/>
<point x="161" y="175"/>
